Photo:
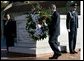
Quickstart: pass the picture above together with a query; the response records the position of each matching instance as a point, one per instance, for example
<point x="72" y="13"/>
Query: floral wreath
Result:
<point x="38" y="23"/>
<point x="36" y="26"/>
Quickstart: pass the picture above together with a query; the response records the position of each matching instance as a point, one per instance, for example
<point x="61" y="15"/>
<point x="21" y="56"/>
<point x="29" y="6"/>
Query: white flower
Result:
<point x="38" y="26"/>
<point x="38" y="29"/>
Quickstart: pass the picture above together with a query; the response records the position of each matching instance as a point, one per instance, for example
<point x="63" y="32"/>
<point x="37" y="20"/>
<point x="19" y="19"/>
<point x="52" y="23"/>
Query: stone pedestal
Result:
<point x="25" y="44"/>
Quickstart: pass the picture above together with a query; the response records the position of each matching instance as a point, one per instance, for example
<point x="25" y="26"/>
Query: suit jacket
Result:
<point x="54" y="28"/>
<point x="72" y="21"/>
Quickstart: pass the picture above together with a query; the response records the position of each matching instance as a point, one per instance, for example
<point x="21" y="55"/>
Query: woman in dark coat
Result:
<point x="9" y="30"/>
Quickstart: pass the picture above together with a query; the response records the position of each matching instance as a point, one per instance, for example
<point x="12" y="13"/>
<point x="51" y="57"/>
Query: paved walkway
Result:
<point x="64" y="56"/>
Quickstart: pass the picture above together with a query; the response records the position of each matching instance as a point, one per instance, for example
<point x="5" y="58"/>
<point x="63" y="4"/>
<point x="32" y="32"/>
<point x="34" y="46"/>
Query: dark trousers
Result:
<point x="53" y="41"/>
<point x="9" y="41"/>
<point x="72" y="40"/>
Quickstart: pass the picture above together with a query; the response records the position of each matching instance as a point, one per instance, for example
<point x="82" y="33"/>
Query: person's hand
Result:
<point x="68" y="30"/>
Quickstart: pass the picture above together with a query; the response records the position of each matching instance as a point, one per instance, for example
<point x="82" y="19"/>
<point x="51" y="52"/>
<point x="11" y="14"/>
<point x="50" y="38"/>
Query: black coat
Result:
<point x="72" y="21"/>
<point x="10" y="28"/>
<point x="54" y="28"/>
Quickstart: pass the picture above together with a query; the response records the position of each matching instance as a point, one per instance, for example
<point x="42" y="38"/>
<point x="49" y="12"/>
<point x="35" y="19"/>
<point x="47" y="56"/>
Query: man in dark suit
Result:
<point x="72" y="25"/>
<point x="54" y="32"/>
<point x="9" y="30"/>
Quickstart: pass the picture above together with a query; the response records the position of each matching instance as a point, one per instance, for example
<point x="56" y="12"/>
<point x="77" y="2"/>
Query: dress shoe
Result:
<point x="71" y="52"/>
<point x="75" y="51"/>
<point x="55" y="56"/>
<point x="52" y="57"/>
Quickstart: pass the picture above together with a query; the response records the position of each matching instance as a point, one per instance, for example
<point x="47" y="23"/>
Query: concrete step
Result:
<point x="22" y="50"/>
